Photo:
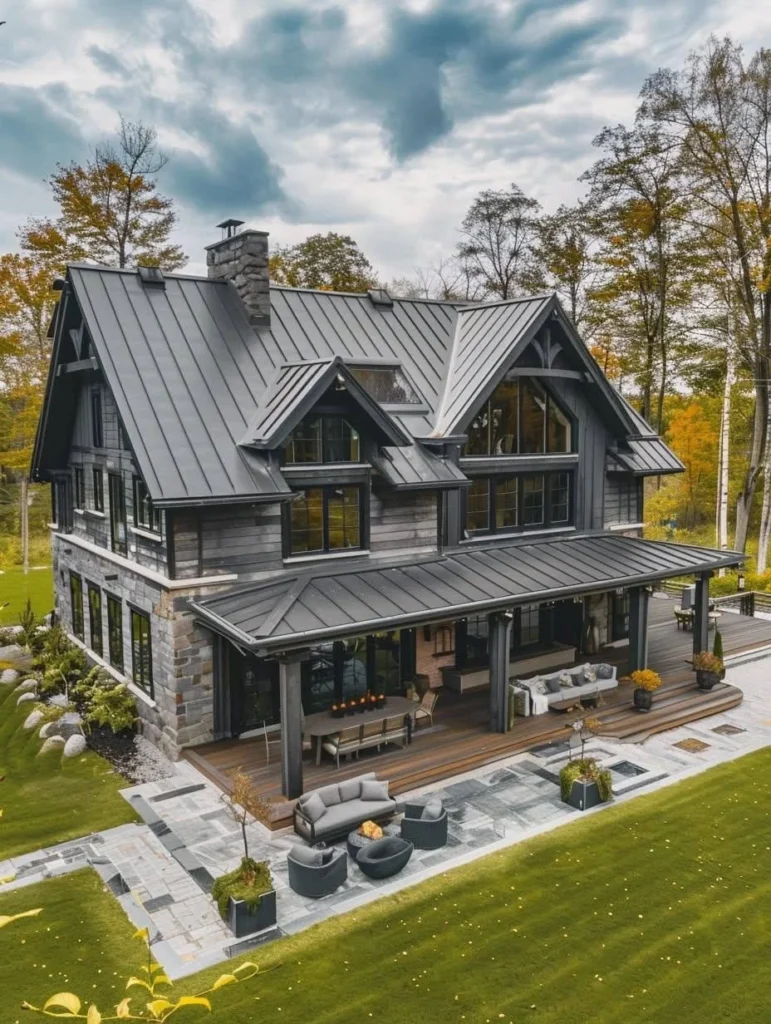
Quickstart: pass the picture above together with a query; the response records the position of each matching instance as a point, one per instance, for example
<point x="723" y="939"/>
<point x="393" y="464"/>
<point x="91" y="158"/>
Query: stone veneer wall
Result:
<point x="181" y="713"/>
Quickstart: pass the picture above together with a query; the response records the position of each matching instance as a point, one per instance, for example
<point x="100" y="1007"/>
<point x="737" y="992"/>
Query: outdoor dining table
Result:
<point x="323" y="724"/>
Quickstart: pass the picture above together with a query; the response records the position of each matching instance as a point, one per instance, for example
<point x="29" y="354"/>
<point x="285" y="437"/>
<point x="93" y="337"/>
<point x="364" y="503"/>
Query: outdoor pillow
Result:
<point x="327" y="855"/>
<point x="305" y="855"/>
<point x="553" y="685"/>
<point x="604" y="671"/>
<point x="537" y="685"/>
<point x="565" y="679"/>
<point x="590" y="673"/>
<point x="374" y="790"/>
<point x="350" y="790"/>
<point x="330" y="795"/>
<point x="433" y="810"/>
<point x="314" y="807"/>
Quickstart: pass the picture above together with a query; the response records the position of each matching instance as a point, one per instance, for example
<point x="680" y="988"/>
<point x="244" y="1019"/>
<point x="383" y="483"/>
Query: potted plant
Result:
<point x="646" y="682"/>
<point x="709" y="669"/>
<point x="246" y="897"/>
<point x="583" y="784"/>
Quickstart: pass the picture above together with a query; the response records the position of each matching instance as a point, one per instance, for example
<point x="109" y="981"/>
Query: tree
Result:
<point x="243" y="803"/>
<point x="330" y="262"/>
<point x="110" y="208"/>
<point x="565" y="248"/>
<point x="693" y="434"/>
<point x="448" y="279"/>
<point x="500" y="234"/>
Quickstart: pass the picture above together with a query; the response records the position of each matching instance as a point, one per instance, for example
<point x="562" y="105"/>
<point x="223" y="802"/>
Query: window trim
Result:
<point x="326" y="552"/>
<point x="97" y="421"/>
<point x="92" y="588"/>
<point x="112" y="601"/>
<point x="79" y="488"/>
<point x="324" y="418"/>
<point x="140" y="614"/>
<point x="154" y="527"/>
<point x="523" y="381"/>
<point x="80" y="633"/>
<point x="114" y="544"/>
<point x="97" y="493"/>
<point x="546" y="523"/>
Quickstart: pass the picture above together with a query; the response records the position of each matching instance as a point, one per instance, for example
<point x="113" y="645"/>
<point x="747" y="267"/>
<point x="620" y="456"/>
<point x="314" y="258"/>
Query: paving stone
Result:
<point x="157" y="903"/>
<point x="174" y="793"/>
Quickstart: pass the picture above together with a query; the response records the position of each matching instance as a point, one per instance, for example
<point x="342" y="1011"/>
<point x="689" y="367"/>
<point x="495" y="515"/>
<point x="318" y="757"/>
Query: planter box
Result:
<point x="584" y="795"/>
<point x="243" y="921"/>
<point x="706" y="680"/>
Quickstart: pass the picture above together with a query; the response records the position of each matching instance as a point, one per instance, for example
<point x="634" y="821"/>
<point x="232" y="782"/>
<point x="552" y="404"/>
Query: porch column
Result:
<point x="499" y="642"/>
<point x="289" y="680"/>
<point x="701" y="614"/>
<point x="638" y="628"/>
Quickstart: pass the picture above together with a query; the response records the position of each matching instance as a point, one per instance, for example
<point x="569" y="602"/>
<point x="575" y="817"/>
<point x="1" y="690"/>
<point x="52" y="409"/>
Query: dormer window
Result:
<point x="321" y="438"/>
<point x="520" y="418"/>
<point x="388" y="385"/>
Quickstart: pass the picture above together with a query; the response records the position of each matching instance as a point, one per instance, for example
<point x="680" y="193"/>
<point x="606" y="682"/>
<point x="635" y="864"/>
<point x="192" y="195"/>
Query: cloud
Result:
<point x="35" y="130"/>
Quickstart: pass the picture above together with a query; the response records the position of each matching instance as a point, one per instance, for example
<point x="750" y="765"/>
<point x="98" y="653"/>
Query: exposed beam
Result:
<point x="537" y="371"/>
<point x="78" y="366"/>
<point x="499" y="637"/>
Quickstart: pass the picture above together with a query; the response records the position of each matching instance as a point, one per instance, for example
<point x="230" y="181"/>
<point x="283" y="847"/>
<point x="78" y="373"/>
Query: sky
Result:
<point x="381" y="119"/>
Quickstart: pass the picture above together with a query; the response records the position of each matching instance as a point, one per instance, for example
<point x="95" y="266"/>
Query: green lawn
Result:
<point x="16" y="587"/>
<point x="47" y="799"/>
<point x="656" y="911"/>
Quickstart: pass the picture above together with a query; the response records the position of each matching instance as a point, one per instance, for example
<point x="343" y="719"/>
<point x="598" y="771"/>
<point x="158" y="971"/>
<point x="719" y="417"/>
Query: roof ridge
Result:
<point x="281" y="607"/>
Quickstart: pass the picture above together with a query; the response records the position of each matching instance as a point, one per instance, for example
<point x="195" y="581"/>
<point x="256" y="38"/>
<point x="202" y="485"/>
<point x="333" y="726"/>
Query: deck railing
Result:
<point x="745" y="602"/>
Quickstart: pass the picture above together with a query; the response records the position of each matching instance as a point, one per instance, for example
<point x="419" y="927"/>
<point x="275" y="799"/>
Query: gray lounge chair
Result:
<point x="316" y="879"/>
<point x="384" y="857"/>
<point x="425" y="833"/>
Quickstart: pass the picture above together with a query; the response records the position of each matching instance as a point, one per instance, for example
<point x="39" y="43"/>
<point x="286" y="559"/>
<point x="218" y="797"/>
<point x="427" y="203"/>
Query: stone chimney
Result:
<point x="242" y="257"/>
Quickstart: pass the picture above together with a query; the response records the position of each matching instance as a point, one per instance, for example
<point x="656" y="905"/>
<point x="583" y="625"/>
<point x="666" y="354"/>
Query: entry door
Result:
<point x="254" y="693"/>
<point x="569" y="623"/>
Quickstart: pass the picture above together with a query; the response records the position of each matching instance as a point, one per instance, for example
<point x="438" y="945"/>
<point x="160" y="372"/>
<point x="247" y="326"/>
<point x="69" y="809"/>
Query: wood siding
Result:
<point x="623" y="500"/>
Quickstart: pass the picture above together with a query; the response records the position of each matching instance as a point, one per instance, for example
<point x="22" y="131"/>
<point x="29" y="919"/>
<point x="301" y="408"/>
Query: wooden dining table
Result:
<point x="323" y="723"/>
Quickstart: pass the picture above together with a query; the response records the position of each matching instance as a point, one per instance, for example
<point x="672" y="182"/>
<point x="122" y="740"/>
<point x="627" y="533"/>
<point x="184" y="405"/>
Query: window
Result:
<point x="526" y="501"/>
<point x="325" y="519"/>
<point x="529" y="625"/>
<point x="520" y="418"/>
<point x="80" y="488"/>
<point x="473" y="635"/>
<point x="386" y="384"/>
<point x="627" y="507"/>
<point x="144" y="514"/>
<point x="141" y="651"/>
<point x="322" y="439"/>
<point x="97" y="423"/>
<point x="118" y="537"/>
<point x="76" y="600"/>
<point x="122" y="439"/>
<point x="348" y="669"/>
<point x="63" y="503"/>
<point x="115" y="631"/>
<point x="619" y="615"/>
<point x="98" y="483"/>
<point x="95" y="619"/>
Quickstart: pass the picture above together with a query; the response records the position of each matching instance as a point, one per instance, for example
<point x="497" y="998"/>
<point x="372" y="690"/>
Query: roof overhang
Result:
<point x="286" y="614"/>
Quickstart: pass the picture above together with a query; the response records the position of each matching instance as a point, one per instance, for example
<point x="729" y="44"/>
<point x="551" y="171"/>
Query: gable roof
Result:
<point x="413" y="467"/>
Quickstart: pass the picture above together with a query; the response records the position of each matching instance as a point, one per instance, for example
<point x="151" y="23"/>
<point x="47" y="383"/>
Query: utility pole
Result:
<point x="24" y="518"/>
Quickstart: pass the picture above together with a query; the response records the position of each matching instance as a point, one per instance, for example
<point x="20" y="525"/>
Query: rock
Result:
<point x="25" y="697"/>
<point x="11" y="653"/>
<point x="33" y="720"/>
<point x="52" y="743"/>
<point x="9" y="675"/>
<point x="48" y="730"/>
<point x="27" y="685"/>
<point x="70" y="724"/>
<point x="75" y="746"/>
<point x="58" y="700"/>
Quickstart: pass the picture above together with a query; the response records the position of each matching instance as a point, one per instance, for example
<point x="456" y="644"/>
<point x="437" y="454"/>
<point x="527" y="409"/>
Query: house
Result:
<point x="267" y="499"/>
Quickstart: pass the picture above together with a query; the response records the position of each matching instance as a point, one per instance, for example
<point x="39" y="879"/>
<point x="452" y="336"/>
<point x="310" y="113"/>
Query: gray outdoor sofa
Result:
<point x="335" y="810"/>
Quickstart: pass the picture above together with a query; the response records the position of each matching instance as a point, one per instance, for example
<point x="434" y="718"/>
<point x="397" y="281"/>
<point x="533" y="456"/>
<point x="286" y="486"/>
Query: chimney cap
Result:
<point x="230" y="227"/>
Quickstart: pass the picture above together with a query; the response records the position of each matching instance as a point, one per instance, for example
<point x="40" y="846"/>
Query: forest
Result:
<point x="664" y="265"/>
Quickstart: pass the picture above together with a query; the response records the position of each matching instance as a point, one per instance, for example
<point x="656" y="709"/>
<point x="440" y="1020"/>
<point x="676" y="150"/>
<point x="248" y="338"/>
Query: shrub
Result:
<point x="704" y="661"/>
<point x="586" y="769"/>
<point x="717" y="646"/>
<point x="250" y="880"/>
<point x="646" y="679"/>
<point x="115" y="707"/>
<point x="98" y="677"/>
<point x="29" y="636"/>
<point x="61" y="662"/>
<point x="52" y="712"/>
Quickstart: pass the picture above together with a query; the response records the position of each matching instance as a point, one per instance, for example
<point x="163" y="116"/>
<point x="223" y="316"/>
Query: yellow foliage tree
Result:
<point x="693" y="434"/>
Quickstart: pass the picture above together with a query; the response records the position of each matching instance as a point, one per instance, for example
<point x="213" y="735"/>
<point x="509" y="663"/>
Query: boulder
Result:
<point x="52" y="743"/>
<point x="48" y="730"/>
<point x="75" y="746"/>
<point x="70" y="724"/>
<point x="58" y="700"/>
<point x="25" y="697"/>
<point x="9" y="675"/>
<point x="11" y="653"/>
<point x="27" y="685"/>
<point x="33" y="720"/>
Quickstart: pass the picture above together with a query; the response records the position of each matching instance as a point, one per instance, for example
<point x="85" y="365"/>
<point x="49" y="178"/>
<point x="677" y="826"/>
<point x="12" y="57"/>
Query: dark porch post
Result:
<point x="289" y="679"/>
<point x="701" y="614"/>
<point x="499" y="637"/>
<point x="638" y="628"/>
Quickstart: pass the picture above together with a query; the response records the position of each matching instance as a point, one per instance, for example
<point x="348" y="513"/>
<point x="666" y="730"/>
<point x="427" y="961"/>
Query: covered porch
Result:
<point x="295" y="625"/>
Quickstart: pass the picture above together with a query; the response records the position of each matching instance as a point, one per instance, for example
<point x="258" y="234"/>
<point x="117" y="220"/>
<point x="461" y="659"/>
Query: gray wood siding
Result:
<point x="623" y="500"/>
<point x="402" y="520"/>
<point x="241" y="538"/>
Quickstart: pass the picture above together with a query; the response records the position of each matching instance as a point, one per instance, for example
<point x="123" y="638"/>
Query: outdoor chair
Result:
<point x="395" y="730"/>
<point x="384" y="857"/>
<point x="345" y="742"/>
<point x="425" y="825"/>
<point x="372" y="735"/>
<point x="426" y="708"/>
<point x="316" y="873"/>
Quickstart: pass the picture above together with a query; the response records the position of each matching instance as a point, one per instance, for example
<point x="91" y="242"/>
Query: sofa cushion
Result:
<point x="565" y="679"/>
<point x="537" y="685"/>
<point x="314" y="807"/>
<point x="604" y="671"/>
<point x="327" y="855"/>
<point x="553" y="685"/>
<point x="330" y="795"/>
<point x="433" y="809"/>
<point x="578" y="677"/>
<point x="305" y="855"/>
<point x="590" y="673"/>
<point x="350" y="789"/>
<point x="372" y="789"/>
<point x="352" y="813"/>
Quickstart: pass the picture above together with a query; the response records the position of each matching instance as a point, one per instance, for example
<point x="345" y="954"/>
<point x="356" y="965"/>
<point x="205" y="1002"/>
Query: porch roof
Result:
<point x="292" y="611"/>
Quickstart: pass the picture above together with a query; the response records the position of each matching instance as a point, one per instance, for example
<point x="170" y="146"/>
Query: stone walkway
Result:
<point x="162" y="871"/>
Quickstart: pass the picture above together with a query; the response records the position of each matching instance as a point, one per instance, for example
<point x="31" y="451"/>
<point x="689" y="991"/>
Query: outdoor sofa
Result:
<point x="335" y="810"/>
<point x="566" y="684"/>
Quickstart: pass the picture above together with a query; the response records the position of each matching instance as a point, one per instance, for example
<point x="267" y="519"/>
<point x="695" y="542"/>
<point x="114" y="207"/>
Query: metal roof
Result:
<point x="287" y="613"/>
<point x="414" y="468"/>
<point x="649" y="456"/>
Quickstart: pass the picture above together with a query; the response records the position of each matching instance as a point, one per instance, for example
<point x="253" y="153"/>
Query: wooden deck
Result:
<point x="460" y="739"/>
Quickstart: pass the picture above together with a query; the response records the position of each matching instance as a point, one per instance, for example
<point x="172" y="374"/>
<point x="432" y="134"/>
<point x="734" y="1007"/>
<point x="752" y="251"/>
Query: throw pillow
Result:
<point x="327" y="855"/>
<point x="350" y="790"/>
<point x="373" y="790"/>
<point x="330" y="795"/>
<point x="565" y="679"/>
<point x="604" y="671"/>
<point x="537" y="685"/>
<point x="314" y="807"/>
<point x="305" y="855"/>
<point x="433" y="810"/>
<point x="553" y="685"/>
<point x="590" y="673"/>
<point x="578" y="677"/>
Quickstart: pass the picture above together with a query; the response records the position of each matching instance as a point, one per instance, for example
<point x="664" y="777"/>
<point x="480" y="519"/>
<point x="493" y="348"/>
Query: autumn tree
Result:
<point x="565" y="248"/>
<point x="110" y="210"/>
<point x="499" y="241"/>
<point x="330" y="262"/>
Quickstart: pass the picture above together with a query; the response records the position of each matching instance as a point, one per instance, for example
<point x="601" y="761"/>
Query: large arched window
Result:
<point x="520" y="418"/>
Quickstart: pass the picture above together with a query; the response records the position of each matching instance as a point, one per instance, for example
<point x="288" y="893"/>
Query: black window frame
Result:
<point x="115" y="632"/>
<point x="495" y="505"/>
<point x="326" y="490"/>
<point x="485" y="412"/>
<point x="76" y="606"/>
<point x="62" y="503"/>
<point x="97" y="418"/>
<point x="116" y="486"/>
<point x="144" y="677"/>
<point x="325" y="419"/>
<point x="79" y="488"/>
<point x="142" y="500"/>
<point x="97" y="488"/>
<point x="95" y="619"/>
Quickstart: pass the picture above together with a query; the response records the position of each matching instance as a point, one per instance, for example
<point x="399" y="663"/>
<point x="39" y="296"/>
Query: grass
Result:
<point x="16" y="587"/>
<point x="46" y="799"/>
<point x="656" y="911"/>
